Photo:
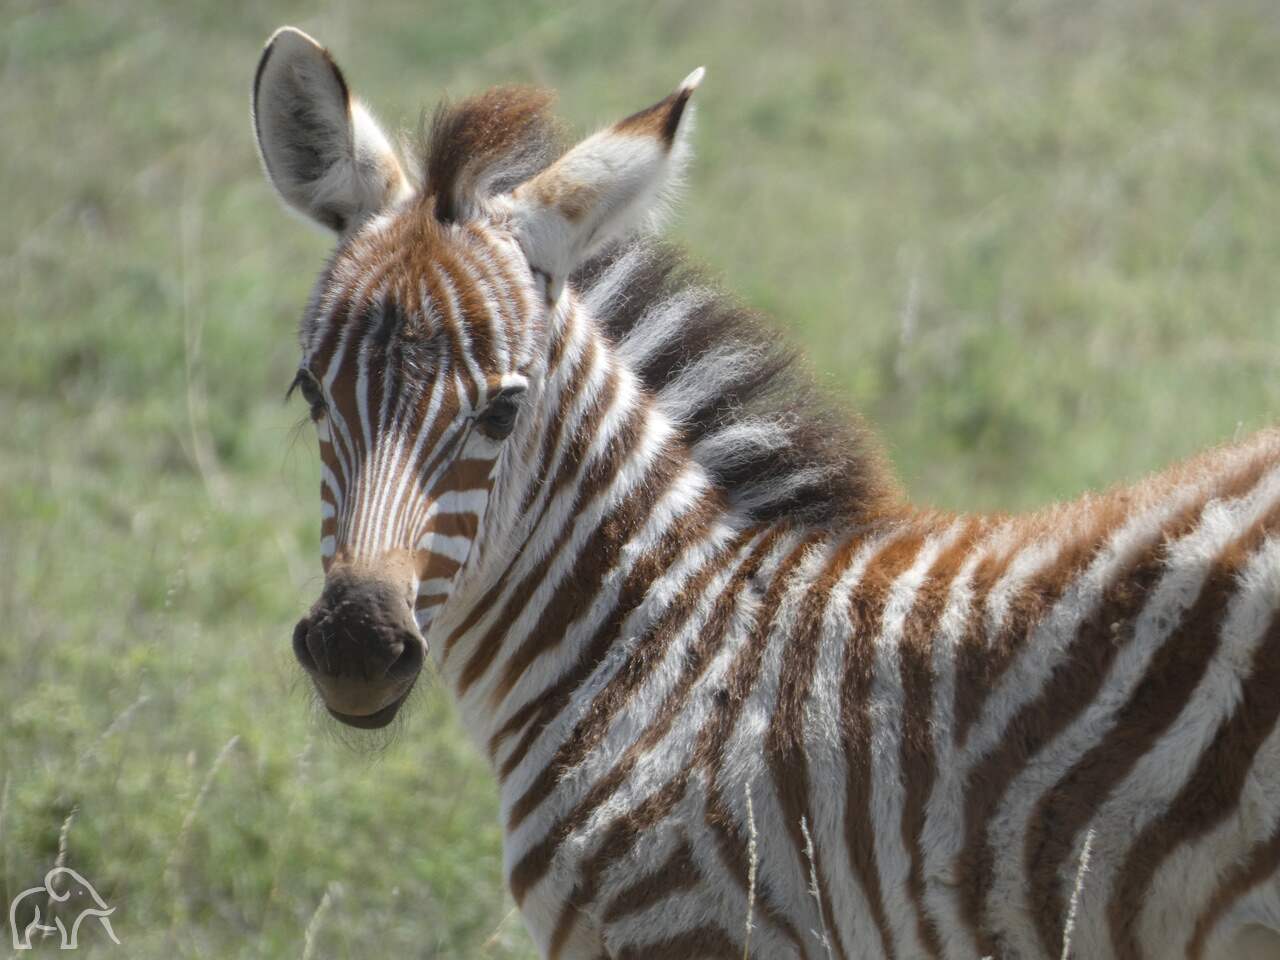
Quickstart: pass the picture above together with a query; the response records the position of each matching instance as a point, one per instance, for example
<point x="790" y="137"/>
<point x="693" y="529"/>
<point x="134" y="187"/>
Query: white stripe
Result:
<point x="852" y="923"/>
<point x="885" y="715"/>
<point x="787" y="870"/>
<point x="455" y="548"/>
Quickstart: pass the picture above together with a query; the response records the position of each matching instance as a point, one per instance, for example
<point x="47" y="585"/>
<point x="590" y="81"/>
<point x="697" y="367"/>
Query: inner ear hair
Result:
<point x="605" y="188"/>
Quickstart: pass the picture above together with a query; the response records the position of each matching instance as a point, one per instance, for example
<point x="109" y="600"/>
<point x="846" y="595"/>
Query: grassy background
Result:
<point x="1036" y="242"/>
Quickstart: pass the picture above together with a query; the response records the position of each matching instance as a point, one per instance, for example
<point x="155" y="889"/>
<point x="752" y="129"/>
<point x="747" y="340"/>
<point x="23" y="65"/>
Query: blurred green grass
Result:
<point x="1035" y="242"/>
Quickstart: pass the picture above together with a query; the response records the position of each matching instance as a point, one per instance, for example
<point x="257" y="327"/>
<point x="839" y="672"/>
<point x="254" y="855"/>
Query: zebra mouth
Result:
<point x="372" y="721"/>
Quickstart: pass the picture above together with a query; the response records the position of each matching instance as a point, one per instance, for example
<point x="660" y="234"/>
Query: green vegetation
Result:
<point x="1035" y="242"/>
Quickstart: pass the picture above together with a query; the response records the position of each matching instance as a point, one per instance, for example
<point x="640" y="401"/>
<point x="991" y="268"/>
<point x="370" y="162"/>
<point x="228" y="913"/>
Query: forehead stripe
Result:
<point x="429" y="426"/>
<point x="388" y="456"/>
<point x="342" y="439"/>
<point x="454" y="437"/>
<point x="450" y="309"/>
<point x="514" y="295"/>
<point x="451" y="439"/>
<point x="480" y="278"/>
<point x="439" y="294"/>
<point x="468" y="302"/>
<point x="393" y="484"/>
<point x="365" y="328"/>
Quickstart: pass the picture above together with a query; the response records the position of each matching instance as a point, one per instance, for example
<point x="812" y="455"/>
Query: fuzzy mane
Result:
<point x="487" y="144"/>
<point x="755" y="422"/>
<point x="751" y="416"/>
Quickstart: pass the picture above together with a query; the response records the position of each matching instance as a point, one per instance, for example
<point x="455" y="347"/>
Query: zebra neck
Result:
<point x="613" y="507"/>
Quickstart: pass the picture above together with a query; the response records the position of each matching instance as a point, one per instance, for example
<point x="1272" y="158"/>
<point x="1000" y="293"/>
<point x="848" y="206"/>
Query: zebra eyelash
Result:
<point x="305" y="382"/>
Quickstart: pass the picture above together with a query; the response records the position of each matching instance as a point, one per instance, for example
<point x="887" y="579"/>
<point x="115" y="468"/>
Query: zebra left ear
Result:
<point x="603" y="188"/>
<point x="321" y="148"/>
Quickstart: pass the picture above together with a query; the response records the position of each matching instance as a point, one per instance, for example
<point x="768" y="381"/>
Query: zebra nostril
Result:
<point x="300" y="650"/>
<point x="407" y="665"/>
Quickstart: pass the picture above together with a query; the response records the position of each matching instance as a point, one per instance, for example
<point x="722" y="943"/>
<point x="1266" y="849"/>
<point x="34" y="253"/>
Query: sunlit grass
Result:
<point x="1035" y="243"/>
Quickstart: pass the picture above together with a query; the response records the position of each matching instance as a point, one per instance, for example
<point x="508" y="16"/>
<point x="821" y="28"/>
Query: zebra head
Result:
<point x="428" y="337"/>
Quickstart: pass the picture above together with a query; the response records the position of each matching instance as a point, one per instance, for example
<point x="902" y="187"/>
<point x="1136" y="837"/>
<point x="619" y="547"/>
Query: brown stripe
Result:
<point x="674" y="875"/>
<point x="342" y="401"/>
<point x="708" y="942"/>
<point x="866" y="611"/>
<point x="919" y="766"/>
<point x="784" y="743"/>
<point x="573" y="387"/>
<point x="450" y="524"/>
<point x="560" y="335"/>
<point x="496" y="305"/>
<point x="565" y="923"/>
<point x="730" y="846"/>
<point x="411" y="507"/>
<point x="474" y="314"/>
<point x="514" y="295"/>
<point x="473" y="473"/>
<point x="329" y="525"/>
<point x="344" y="306"/>
<point x="542" y="709"/>
<point x="688" y="528"/>
<point x="348" y="313"/>
<point x="621" y="835"/>
<point x="439" y="307"/>
<point x="600" y="552"/>
<point x="984" y="658"/>
<point x="1069" y="690"/>
<point x="734" y="855"/>
<point x="1213" y="790"/>
<point x="539" y="485"/>
<point x="968" y="657"/>
<point x="573" y="597"/>
<point x="1063" y="812"/>
<point x="534" y="864"/>
<point x="1260" y="863"/>
<point x="436" y="566"/>
<point x="353" y="327"/>
<point x="551" y="434"/>
<point x="709" y="754"/>
<point x="487" y="649"/>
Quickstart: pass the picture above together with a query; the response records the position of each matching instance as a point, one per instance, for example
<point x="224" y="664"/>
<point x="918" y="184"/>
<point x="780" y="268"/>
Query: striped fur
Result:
<point x="680" y="590"/>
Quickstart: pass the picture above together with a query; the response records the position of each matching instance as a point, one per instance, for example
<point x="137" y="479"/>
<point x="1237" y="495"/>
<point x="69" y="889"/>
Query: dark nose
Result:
<point x="361" y="646"/>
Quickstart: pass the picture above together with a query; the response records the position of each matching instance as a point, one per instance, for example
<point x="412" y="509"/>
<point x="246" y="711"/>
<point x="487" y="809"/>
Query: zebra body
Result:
<point x="924" y="695"/>
<point x="740" y="697"/>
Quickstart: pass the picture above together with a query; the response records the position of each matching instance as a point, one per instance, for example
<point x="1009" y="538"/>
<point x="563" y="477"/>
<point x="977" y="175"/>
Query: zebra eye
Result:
<point x="499" y="417"/>
<point x="305" y="383"/>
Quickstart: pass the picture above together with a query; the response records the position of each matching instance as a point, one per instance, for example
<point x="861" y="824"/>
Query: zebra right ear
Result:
<point x="322" y="150"/>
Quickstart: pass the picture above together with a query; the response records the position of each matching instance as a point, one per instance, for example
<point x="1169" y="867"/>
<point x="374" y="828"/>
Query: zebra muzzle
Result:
<point x="361" y="647"/>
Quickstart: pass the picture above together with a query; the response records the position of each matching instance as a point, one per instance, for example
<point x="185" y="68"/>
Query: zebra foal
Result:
<point x="721" y="667"/>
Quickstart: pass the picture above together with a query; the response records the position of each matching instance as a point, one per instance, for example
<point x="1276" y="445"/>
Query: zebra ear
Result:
<point x="605" y="187"/>
<point x="321" y="148"/>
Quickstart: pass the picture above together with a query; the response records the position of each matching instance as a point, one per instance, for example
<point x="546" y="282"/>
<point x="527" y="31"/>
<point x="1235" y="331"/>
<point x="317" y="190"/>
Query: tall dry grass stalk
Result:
<point x="60" y="860"/>
<point x="173" y="865"/>
<point x="122" y="718"/>
<point x="4" y="837"/>
<point x="495" y="938"/>
<point x="63" y="834"/>
<point x="331" y="892"/>
<point x="753" y="861"/>
<point x="201" y="447"/>
<point x="1070" y="926"/>
<point x="301" y="782"/>
<point x="813" y="886"/>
